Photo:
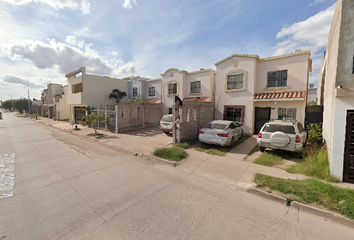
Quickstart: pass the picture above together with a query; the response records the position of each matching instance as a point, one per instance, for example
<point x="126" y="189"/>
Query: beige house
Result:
<point x="52" y="91"/>
<point x="336" y="92"/>
<point x="85" y="89"/>
<point x="254" y="90"/>
<point x="188" y="86"/>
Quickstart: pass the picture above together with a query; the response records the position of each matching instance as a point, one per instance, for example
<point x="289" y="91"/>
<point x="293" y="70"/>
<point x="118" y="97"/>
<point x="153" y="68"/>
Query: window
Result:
<point x="135" y="91"/>
<point x="234" y="114"/>
<point x="151" y="91"/>
<point x="300" y="127"/>
<point x="195" y="87"/>
<point x="235" y="81"/>
<point x="287" y="113"/>
<point x="172" y="88"/>
<point x="169" y="110"/>
<point x="277" y="79"/>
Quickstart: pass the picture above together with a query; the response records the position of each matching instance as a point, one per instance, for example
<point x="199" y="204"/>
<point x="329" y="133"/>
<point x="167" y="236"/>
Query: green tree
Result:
<point x="21" y="105"/>
<point x="93" y="120"/>
<point x="117" y="95"/>
<point x="7" y="104"/>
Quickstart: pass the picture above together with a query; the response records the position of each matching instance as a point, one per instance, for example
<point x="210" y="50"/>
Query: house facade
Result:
<point x="85" y="90"/>
<point x="336" y="85"/>
<point x="253" y="90"/>
<point x="188" y="86"/>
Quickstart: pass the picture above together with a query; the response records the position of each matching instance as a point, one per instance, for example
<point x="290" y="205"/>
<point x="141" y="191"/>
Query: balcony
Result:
<point x="74" y="98"/>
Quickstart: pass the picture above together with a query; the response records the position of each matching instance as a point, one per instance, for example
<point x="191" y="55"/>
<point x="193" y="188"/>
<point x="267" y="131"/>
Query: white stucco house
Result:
<point x="336" y="92"/>
<point x="253" y="90"/>
<point x="188" y="86"/>
<point x="85" y="89"/>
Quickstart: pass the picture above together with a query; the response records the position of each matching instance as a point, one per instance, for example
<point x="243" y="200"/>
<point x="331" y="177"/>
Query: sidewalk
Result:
<point x="232" y="168"/>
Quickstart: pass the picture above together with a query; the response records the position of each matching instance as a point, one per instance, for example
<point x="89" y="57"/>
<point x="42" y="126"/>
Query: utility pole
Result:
<point x="29" y="108"/>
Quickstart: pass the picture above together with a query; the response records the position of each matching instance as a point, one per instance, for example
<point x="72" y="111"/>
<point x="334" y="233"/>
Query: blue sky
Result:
<point x="42" y="40"/>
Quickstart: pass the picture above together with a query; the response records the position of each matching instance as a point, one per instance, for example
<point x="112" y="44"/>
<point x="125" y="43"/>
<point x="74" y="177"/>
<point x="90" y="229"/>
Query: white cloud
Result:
<point x="128" y="3"/>
<point x="83" y="5"/>
<point x="309" y="34"/>
<point x="316" y="2"/>
<point x="60" y="56"/>
<point x="34" y="82"/>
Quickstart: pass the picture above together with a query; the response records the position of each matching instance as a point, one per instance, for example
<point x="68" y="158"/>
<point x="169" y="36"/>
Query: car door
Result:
<point x="233" y="130"/>
<point x="238" y="130"/>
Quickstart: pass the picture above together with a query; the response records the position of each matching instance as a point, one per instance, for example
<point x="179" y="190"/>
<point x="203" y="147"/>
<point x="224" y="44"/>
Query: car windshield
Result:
<point x="216" y="126"/>
<point x="278" y="127"/>
<point x="167" y="118"/>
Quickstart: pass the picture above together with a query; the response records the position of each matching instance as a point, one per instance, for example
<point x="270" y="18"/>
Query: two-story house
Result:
<point x="188" y="86"/>
<point x="86" y="90"/>
<point x="336" y="92"/>
<point x="253" y="90"/>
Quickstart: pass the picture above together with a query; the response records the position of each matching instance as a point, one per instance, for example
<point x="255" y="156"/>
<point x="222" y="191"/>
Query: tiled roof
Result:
<point x="196" y="99"/>
<point x="280" y="95"/>
<point x="155" y="100"/>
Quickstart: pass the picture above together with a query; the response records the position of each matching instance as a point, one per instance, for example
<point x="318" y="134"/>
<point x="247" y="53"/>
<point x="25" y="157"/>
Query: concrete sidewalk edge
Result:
<point x="326" y="214"/>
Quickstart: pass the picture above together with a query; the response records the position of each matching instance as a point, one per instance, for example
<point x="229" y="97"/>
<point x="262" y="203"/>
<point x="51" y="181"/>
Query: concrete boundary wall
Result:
<point x="132" y="116"/>
<point x="191" y="117"/>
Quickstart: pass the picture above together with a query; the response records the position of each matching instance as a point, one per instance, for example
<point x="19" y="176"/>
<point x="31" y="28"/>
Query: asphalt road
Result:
<point x="54" y="185"/>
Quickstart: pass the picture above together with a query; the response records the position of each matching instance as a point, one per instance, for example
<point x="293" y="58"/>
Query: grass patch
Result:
<point x="216" y="152"/>
<point x="95" y="134"/>
<point x="183" y="145"/>
<point x="241" y="140"/>
<point x="314" y="164"/>
<point x="255" y="149"/>
<point x="312" y="191"/>
<point x="272" y="158"/>
<point x="174" y="153"/>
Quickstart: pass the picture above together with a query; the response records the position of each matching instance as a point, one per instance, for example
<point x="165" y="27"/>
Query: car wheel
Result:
<point x="300" y="155"/>
<point x="166" y="133"/>
<point x="232" y="142"/>
<point x="261" y="149"/>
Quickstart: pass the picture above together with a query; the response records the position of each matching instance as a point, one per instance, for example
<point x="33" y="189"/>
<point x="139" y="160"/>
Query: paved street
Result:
<point x="56" y="185"/>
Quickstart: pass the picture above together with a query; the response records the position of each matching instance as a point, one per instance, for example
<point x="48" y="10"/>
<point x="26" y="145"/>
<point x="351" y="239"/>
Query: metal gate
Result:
<point x="79" y="114"/>
<point x="313" y="114"/>
<point x="262" y="115"/>
<point x="348" y="167"/>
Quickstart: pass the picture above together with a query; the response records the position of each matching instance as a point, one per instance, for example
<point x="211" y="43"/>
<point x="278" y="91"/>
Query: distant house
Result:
<point x="253" y="90"/>
<point x="48" y="99"/>
<point x="85" y="89"/>
<point x="336" y="92"/>
<point x="188" y="86"/>
<point x="312" y="94"/>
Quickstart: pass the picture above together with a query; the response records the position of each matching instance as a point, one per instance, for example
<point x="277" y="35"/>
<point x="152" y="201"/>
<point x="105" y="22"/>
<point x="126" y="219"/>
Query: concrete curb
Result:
<point x="326" y="214"/>
<point x="334" y="217"/>
<point x="268" y="196"/>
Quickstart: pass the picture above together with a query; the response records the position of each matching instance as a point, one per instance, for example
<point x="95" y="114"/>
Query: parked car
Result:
<point x="166" y="123"/>
<point x="220" y="132"/>
<point x="288" y="135"/>
<point x="0" y="115"/>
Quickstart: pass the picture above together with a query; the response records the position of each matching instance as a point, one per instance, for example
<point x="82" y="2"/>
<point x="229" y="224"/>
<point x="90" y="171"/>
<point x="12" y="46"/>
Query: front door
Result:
<point x="79" y="114"/>
<point x="348" y="167"/>
<point x="262" y="115"/>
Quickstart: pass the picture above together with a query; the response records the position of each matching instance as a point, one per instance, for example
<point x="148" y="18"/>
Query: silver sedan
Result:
<point x="220" y="132"/>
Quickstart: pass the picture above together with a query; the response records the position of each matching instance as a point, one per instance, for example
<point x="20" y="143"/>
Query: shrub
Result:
<point x="173" y="153"/>
<point x="314" y="134"/>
